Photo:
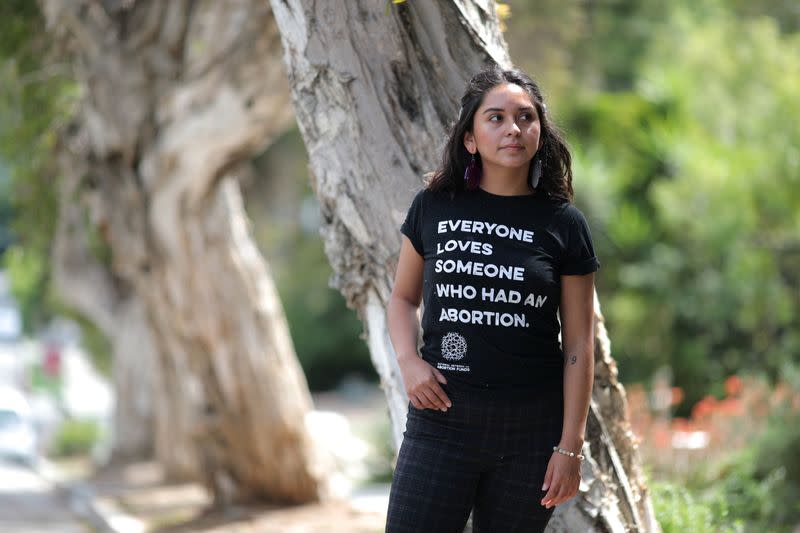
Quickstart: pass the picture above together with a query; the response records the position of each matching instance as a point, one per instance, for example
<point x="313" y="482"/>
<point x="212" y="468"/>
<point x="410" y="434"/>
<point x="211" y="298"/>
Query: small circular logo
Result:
<point x="454" y="346"/>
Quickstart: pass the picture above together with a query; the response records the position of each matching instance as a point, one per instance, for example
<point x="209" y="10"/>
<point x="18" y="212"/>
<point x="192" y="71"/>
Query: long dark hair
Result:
<point x="556" y="177"/>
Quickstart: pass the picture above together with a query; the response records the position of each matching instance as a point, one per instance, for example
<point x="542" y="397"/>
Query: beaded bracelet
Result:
<point x="567" y="452"/>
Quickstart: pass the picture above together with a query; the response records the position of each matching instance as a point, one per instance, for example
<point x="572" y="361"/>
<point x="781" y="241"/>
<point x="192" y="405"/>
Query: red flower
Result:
<point x="704" y="407"/>
<point x="733" y="385"/>
<point x="731" y="407"/>
<point x="680" y="424"/>
<point x="677" y="395"/>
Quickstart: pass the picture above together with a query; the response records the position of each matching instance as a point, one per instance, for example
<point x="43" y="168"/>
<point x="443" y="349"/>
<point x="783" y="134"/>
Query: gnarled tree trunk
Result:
<point x="177" y="95"/>
<point x="374" y="88"/>
<point x="88" y="286"/>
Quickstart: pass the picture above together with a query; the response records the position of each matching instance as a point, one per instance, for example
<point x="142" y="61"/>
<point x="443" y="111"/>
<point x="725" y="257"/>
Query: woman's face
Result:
<point x="505" y="129"/>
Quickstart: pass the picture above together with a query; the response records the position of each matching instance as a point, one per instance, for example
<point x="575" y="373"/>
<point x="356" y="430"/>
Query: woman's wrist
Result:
<point x="574" y="444"/>
<point x="404" y="356"/>
<point x="570" y="453"/>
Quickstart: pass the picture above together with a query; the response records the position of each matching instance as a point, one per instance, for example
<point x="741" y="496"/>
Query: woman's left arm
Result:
<point x="577" y="338"/>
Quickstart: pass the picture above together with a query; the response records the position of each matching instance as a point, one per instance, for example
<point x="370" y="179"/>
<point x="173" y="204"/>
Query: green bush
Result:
<point x="326" y="334"/>
<point x="381" y="464"/>
<point x="762" y="483"/>
<point x="679" y="511"/>
<point x="757" y="488"/>
<point x="748" y="498"/>
<point x="75" y="437"/>
<point x="691" y="200"/>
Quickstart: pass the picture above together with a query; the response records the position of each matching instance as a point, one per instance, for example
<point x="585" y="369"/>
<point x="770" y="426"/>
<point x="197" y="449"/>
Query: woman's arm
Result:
<point x="421" y="380"/>
<point x="577" y="336"/>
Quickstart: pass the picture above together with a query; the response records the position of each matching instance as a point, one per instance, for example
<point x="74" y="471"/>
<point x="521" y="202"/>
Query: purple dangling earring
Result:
<point x="537" y="171"/>
<point x="472" y="175"/>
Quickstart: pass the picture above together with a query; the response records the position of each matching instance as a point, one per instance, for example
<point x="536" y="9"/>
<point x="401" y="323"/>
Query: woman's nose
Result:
<point x="514" y="128"/>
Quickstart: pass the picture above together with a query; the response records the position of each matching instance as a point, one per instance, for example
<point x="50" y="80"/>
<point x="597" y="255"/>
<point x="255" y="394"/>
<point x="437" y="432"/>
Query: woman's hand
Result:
<point x="563" y="478"/>
<point x="422" y="384"/>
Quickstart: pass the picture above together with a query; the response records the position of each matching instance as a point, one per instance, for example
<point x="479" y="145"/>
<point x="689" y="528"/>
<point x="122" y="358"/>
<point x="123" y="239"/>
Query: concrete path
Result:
<point x="31" y="504"/>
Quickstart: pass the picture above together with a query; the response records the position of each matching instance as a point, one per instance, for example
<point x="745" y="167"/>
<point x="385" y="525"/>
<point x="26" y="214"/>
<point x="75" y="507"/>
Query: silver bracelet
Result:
<point x="567" y="452"/>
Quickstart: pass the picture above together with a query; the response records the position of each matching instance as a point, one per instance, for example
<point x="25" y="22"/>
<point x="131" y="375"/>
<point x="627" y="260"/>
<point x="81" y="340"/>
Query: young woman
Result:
<point x="495" y="249"/>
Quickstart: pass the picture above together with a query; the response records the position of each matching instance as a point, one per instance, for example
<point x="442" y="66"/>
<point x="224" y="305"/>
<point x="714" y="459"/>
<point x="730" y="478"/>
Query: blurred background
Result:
<point x="682" y="117"/>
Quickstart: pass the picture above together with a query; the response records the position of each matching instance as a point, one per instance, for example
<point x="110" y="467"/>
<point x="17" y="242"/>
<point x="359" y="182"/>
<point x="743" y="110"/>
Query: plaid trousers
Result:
<point x="487" y="454"/>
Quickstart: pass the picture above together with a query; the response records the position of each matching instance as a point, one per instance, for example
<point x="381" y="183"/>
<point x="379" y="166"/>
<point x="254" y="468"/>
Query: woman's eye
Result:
<point x="493" y="117"/>
<point x="526" y="116"/>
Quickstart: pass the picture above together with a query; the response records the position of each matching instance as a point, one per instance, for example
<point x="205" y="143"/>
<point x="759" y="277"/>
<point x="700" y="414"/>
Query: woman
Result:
<point x="492" y="244"/>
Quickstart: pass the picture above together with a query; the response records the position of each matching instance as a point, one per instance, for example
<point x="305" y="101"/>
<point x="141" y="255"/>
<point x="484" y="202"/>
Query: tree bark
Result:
<point x="374" y="87"/>
<point x="89" y="287"/>
<point x="177" y="95"/>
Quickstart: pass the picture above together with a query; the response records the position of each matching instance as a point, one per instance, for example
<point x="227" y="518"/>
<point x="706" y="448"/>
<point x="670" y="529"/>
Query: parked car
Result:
<point x="17" y="432"/>
<point x="10" y="320"/>
<point x="10" y="315"/>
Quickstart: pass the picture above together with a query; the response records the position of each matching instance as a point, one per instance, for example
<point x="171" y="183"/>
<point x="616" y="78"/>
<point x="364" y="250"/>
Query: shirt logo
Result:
<point x="454" y="346"/>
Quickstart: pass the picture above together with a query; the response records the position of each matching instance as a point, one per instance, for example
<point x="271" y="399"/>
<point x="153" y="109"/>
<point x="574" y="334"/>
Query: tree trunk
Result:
<point x="89" y="287"/>
<point x="151" y="416"/>
<point x="374" y="87"/>
<point x="177" y="95"/>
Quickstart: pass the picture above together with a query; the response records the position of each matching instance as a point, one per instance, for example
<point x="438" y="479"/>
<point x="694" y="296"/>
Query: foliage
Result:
<point x="75" y="437"/>
<point x="690" y="178"/>
<point x="34" y="97"/>
<point x="784" y="12"/>
<point x="97" y="345"/>
<point x="683" y="447"/>
<point x="27" y="272"/>
<point x="325" y="332"/>
<point x="624" y="29"/>
<point x="678" y="511"/>
<point x="760" y="484"/>
<point x="380" y="464"/>
<point x="752" y="499"/>
<point x="749" y="479"/>
<point x="541" y="36"/>
<point x="6" y="214"/>
<point x="285" y="217"/>
<point x="682" y="115"/>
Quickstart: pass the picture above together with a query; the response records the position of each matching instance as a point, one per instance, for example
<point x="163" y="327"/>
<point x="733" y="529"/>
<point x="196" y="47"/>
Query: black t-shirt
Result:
<point x="492" y="284"/>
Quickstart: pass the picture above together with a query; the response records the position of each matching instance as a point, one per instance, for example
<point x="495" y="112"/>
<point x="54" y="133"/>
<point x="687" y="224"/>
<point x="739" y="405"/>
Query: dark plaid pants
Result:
<point x="486" y="454"/>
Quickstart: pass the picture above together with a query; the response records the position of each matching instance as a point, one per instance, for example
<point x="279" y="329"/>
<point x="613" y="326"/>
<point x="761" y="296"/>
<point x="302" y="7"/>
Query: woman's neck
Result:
<point x="504" y="181"/>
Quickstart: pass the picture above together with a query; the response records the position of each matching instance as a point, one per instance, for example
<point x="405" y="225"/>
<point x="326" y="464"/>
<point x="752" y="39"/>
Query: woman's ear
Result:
<point x="469" y="142"/>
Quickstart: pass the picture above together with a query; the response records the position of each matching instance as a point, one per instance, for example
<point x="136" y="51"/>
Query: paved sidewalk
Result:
<point x="135" y="498"/>
<point x="31" y="504"/>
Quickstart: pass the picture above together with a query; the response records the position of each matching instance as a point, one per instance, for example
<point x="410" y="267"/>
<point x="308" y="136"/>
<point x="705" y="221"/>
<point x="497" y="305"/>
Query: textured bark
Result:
<point x="89" y="287"/>
<point x="177" y="95"/>
<point x="374" y="87"/>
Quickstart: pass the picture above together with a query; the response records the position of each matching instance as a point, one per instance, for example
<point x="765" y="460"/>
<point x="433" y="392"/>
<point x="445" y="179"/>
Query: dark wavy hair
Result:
<point x="556" y="177"/>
